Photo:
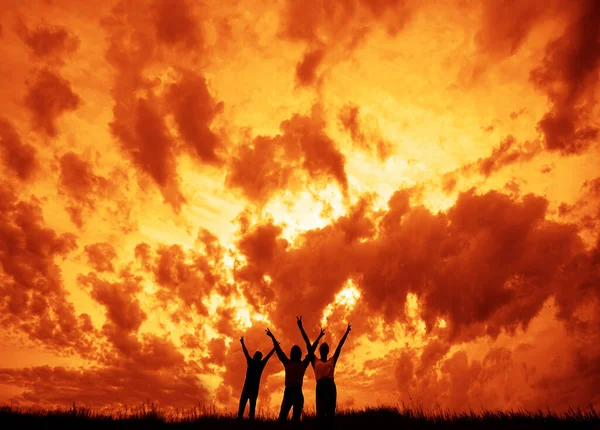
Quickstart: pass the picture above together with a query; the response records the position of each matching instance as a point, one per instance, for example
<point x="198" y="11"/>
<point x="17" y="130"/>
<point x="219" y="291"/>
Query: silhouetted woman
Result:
<point x="256" y="365"/>
<point x="326" y="392"/>
<point x="295" y="368"/>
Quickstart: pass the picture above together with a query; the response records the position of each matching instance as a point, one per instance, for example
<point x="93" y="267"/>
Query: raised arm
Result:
<point x="336" y="354"/>
<point x="280" y="354"/>
<point x="304" y="335"/>
<point x="313" y="347"/>
<point x="248" y="358"/>
<point x="264" y="362"/>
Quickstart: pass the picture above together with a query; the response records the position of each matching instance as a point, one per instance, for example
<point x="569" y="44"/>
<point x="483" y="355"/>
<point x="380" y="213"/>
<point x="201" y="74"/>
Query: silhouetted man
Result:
<point x="326" y="392"/>
<point x="295" y="368"/>
<point x="254" y="371"/>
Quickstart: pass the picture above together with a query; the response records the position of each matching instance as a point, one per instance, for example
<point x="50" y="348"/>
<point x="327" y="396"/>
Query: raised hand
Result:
<point x="349" y="328"/>
<point x="242" y="339"/>
<point x="299" y="321"/>
<point x="322" y="333"/>
<point x="269" y="333"/>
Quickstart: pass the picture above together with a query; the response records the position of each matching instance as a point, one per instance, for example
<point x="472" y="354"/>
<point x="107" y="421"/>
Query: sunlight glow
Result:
<point x="345" y="299"/>
<point x="306" y="210"/>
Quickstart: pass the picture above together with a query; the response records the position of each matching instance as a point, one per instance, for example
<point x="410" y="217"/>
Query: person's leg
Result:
<point x="332" y="403"/>
<point x="286" y="405"/>
<point x="319" y="400"/>
<point x="242" y="407"/>
<point x="252" y="408"/>
<point x="298" y="405"/>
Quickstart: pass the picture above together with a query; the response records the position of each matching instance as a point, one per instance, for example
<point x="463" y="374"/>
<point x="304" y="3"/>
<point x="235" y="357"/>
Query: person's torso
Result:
<point x="324" y="369"/>
<point x="294" y="373"/>
<point x="254" y="372"/>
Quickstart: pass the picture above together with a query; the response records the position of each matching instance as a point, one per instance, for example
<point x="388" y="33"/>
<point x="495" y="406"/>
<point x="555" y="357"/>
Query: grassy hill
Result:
<point x="149" y="417"/>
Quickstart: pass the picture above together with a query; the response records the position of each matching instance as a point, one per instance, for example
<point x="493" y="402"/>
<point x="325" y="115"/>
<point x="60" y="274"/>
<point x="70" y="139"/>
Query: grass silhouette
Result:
<point x="150" y="416"/>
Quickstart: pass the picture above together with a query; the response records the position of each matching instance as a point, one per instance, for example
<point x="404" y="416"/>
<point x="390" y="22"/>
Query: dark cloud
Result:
<point x="32" y="297"/>
<point x="268" y="164"/>
<point x="257" y="170"/>
<point x="187" y="279"/>
<point x="505" y="25"/>
<point x="349" y="118"/>
<point x="100" y="256"/>
<point x="306" y="69"/>
<point x="122" y="307"/>
<point x="194" y="110"/>
<point x="19" y="158"/>
<point x="469" y="266"/>
<point x="144" y="136"/>
<point x="320" y="156"/>
<point x="506" y="153"/>
<point x="107" y="387"/>
<point x="49" y="41"/>
<point x="568" y="74"/>
<point x="140" y="115"/>
<point x="175" y="23"/>
<point x="48" y="98"/>
<point x="138" y="121"/>
<point x="343" y="22"/>
<point x="82" y="186"/>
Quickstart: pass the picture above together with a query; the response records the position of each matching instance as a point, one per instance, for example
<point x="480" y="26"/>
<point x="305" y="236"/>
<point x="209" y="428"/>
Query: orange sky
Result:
<point x="177" y="174"/>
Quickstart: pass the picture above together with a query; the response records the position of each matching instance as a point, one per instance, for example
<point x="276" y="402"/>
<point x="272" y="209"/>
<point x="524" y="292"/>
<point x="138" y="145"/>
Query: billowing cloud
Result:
<point x="34" y="299"/>
<point x="569" y="76"/>
<point x="306" y="69"/>
<point x="270" y="164"/>
<point x="175" y="23"/>
<point x="100" y="256"/>
<point x="344" y="22"/>
<point x="49" y="42"/>
<point x="17" y="156"/>
<point x="505" y="25"/>
<point x="48" y="98"/>
<point x="194" y="109"/>
<point x="373" y="143"/>
<point x="82" y="186"/>
<point x="100" y="387"/>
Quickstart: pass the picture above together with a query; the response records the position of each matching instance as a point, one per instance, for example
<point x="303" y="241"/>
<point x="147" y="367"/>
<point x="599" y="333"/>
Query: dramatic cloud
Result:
<point x="175" y="23"/>
<point x="507" y="153"/>
<point x="194" y="109"/>
<point x="49" y="42"/>
<point x="506" y="24"/>
<point x="100" y="256"/>
<point x="268" y="164"/>
<point x="48" y="98"/>
<point x="18" y="157"/>
<point x="306" y="70"/>
<point x="344" y="22"/>
<point x="569" y="76"/>
<point x="99" y="388"/>
<point x="79" y="182"/>
<point x="349" y="118"/>
<point x="34" y="299"/>
<point x="144" y="136"/>
<point x="139" y="121"/>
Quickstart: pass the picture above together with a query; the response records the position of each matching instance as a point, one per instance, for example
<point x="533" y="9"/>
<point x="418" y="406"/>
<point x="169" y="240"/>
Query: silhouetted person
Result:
<point x="254" y="371"/>
<point x="295" y="368"/>
<point x="324" y="368"/>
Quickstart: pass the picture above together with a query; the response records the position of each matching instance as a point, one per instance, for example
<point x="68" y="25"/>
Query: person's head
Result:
<point x="257" y="356"/>
<point x="296" y="353"/>
<point x="324" y="350"/>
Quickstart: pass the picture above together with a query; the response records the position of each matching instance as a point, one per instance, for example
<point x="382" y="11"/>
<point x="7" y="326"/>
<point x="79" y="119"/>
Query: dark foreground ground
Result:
<point x="149" y="418"/>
